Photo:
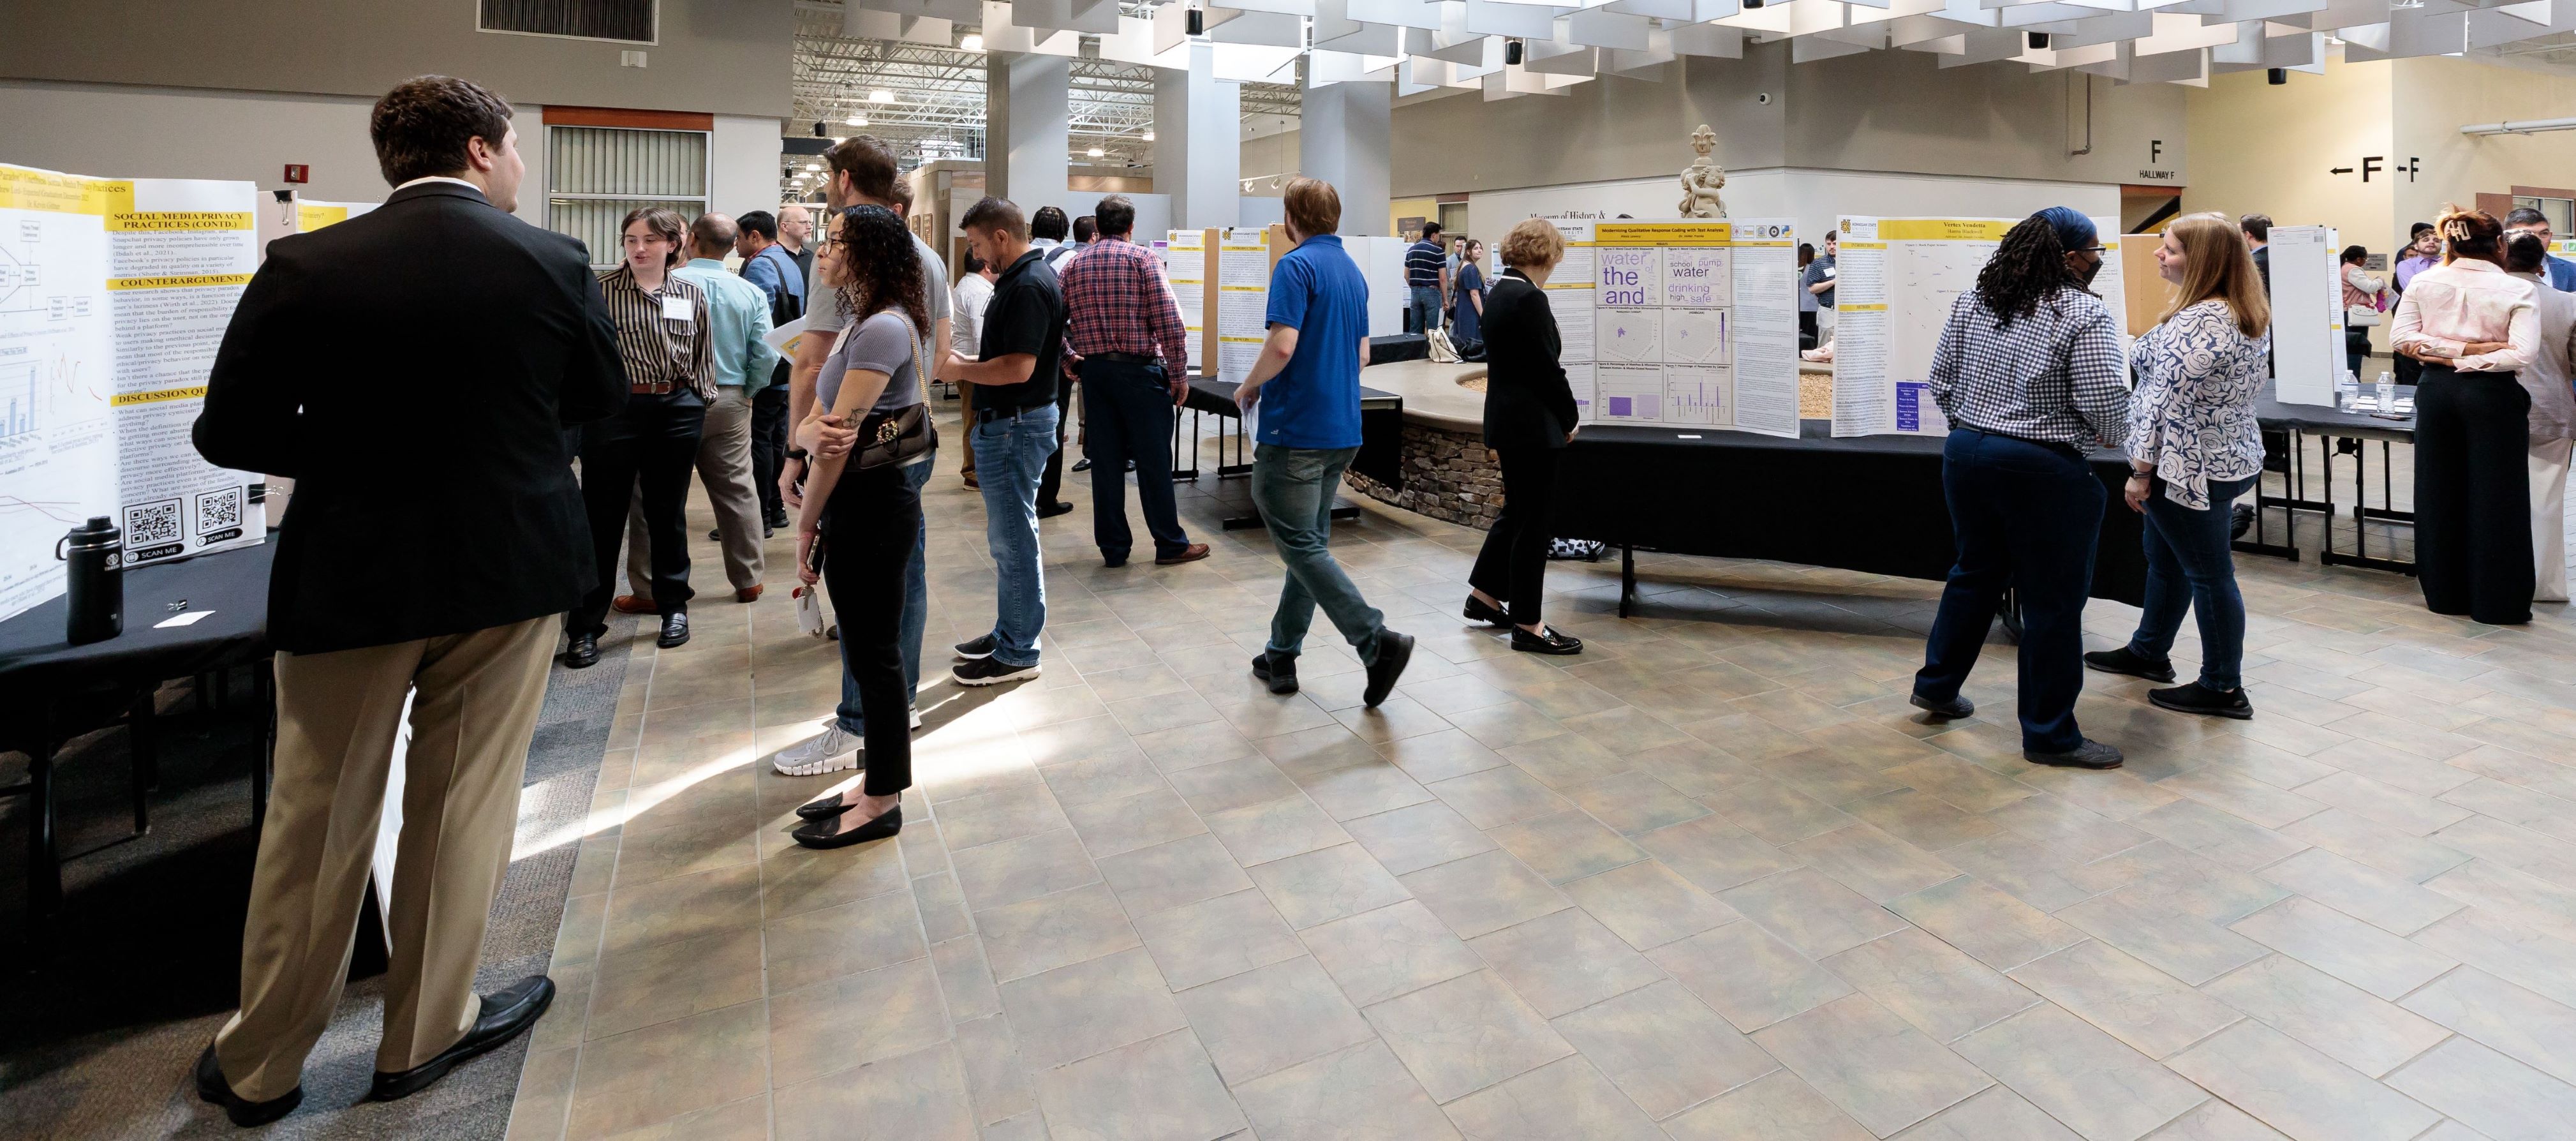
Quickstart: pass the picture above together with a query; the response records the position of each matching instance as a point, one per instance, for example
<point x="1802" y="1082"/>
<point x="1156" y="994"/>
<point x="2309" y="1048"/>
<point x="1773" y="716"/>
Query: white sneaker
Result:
<point x="916" y="717"/>
<point x="827" y="752"/>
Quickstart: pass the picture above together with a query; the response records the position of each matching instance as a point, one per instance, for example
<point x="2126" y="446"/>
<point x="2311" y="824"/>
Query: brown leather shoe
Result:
<point x="748" y="594"/>
<point x="633" y="604"/>
<point x="971" y="485"/>
<point x="1190" y="554"/>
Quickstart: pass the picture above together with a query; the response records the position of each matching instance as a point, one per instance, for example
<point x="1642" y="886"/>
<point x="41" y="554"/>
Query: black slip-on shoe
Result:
<point x="1394" y="652"/>
<point x="506" y="1014"/>
<point x="979" y="648"/>
<point x="2127" y="661"/>
<point x="1951" y="710"/>
<point x="2091" y="754"/>
<point x="1549" y="642"/>
<point x="211" y="1087"/>
<point x="1477" y="611"/>
<point x="675" y="630"/>
<point x="2198" y="698"/>
<point x="1279" y="670"/>
<point x="1051" y="510"/>
<point x="990" y="671"/>
<point x="583" y="653"/>
<point x="1083" y="464"/>
<point x="839" y="831"/>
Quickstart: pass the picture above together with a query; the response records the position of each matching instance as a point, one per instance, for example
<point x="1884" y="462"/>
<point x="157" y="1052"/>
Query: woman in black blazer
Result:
<point x="1529" y="418"/>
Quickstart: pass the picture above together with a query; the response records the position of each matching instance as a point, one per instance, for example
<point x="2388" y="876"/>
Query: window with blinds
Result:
<point x="595" y="175"/>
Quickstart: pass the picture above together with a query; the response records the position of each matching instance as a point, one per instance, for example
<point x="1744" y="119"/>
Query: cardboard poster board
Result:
<point x="1685" y="323"/>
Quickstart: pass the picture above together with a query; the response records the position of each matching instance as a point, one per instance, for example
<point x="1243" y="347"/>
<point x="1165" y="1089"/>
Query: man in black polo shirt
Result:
<point x="1013" y="422"/>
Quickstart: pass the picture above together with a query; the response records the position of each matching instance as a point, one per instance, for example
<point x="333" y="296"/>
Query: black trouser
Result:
<point x="868" y="529"/>
<point x="653" y="445"/>
<point x="1051" y="483"/>
<point x="2028" y="516"/>
<point x="1512" y="565"/>
<point x="2356" y="350"/>
<point x="1135" y="408"/>
<point x="1807" y="329"/>
<point x="2409" y="370"/>
<point x="2473" y="495"/>
<point x="769" y="443"/>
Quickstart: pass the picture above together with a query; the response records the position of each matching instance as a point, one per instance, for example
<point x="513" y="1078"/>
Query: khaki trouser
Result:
<point x="2549" y="520"/>
<point x="337" y="714"/>
<point x="724" y="465"/>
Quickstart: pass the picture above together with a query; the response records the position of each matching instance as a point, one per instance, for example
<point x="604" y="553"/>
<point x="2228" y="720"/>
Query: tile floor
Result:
<point x="1711" y="879"/>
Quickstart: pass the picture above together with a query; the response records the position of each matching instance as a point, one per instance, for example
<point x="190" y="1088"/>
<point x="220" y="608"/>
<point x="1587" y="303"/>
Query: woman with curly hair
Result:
<point x="2471" y="325"/>
<point x="2029" y="374"/>
<point x="864" y="519"/>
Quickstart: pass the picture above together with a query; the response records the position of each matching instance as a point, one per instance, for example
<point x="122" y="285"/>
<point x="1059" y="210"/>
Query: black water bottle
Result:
<point x="95" y="554"/>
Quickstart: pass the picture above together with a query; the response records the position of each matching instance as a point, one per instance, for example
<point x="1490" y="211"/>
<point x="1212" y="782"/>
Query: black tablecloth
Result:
<point x="1864" y="503"/>
<point x="230" y="587"/>
<point x="2318" y="420"/>
<point x="1381" y="425"/>
<point x="1400" y="347"/>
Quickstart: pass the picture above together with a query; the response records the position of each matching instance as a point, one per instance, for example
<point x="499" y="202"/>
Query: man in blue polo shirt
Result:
<point x="1304" y="398"/>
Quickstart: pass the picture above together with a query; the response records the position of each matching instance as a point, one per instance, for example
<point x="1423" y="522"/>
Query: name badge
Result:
<point x="675" y="308"/>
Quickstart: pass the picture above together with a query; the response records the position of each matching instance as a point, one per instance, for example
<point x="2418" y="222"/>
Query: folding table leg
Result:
<point x="44" y="862"/>
<point x="147" y="765"/>
<point x="1627" y="579"/>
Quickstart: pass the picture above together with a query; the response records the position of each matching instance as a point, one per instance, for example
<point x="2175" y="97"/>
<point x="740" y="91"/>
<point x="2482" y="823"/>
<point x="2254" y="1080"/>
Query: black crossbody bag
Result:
<point x="893" y="439"/>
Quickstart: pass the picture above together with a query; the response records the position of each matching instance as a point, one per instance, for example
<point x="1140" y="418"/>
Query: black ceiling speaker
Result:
<point x="1751" y="4"/>
<point x="2039" y="41"/>
<point x="2279" y="76"/>
<point x="1195" y="22"/>
<point x="1512" y="52"/>
<point x="819" y="132"/>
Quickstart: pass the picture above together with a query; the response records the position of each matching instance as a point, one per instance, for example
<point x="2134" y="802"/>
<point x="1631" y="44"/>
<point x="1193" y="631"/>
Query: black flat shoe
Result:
<point x="2200" y="699"/>
<point x="823" y="809"/>
<point x="583" y="653"/>
<point x="1951" y="710"/>
<point x="1477" y="611"/>
<point x="212" y="1087"/>
<point x="2127" y="661"/>
<point x="1051" y="510"/>
<point x="1394" y="651"/>
<point x="1280" y="670"/>
<point x="1549" y="642"/>
<point x="505" y="1015"/>
<point x="2091" y="754"/>
<point x="675" y="630"/>
<point x="837" y="831"/>
<point x="1083" y="464"/>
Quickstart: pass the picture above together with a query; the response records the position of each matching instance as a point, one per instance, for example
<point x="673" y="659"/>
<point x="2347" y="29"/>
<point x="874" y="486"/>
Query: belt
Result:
<point x="988" y="415"/>
<point x="1122" y="358"/>
<point x="650" y="387"/>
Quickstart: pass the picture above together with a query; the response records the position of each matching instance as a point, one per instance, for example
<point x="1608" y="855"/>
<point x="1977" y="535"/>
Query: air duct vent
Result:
<point x="626" y="21"/>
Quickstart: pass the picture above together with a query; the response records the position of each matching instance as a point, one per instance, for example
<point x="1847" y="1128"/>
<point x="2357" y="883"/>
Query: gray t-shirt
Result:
<point x="832" y="317"/>
<point x="880" y="344"/>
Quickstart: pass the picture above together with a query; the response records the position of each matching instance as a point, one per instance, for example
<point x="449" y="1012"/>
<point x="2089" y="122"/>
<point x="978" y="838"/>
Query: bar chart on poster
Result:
<point x="1680" y="324"/>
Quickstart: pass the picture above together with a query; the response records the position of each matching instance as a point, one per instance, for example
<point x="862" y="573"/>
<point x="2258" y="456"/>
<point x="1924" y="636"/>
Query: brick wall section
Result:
<point x="1448" y="476"/>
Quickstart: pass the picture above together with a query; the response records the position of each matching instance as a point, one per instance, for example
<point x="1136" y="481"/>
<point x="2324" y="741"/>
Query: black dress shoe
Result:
<point x="2127" y="661"/>
<point x="1548" y="642"/>
<point x="824" y="808"/>
<point x="1477" y="611"/>
<point x="583" y="653"/>
<point x="505" y="1014"/>
<point x="1280" y="670"/>
<point x="2091" y="754"/>
<point x="1083" y="464"/>
<point x="1394" y="652"/>
<point x="715" y="536"/>
<point x="1951" y="710"/>
<point x="675" y="630"/>
<point x="1051" y="510"/>
<point x="212" y="1087"/>
<point x="838" y="831"/>
<point x="2198" y="698"/>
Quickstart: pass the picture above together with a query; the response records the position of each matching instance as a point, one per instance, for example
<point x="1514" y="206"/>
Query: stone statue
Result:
<point x="1702" y="179"/>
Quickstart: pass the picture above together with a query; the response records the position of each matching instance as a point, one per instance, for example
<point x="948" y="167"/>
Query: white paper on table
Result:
<point x="190" y="618"/>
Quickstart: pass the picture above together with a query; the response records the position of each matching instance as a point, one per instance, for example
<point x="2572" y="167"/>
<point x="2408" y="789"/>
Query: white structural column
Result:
<point x="1026" y="147"/>
<point x="1198" y="142"/>
<point x="1344" y="134"/>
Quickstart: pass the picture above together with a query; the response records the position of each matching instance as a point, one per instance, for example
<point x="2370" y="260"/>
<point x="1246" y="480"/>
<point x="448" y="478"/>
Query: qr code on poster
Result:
<point x="219" y="510"/>
<point x="147" y="523"/>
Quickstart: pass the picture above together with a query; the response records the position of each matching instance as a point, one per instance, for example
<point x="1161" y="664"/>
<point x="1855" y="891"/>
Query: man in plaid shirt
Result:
<point x="1127" y="344"/>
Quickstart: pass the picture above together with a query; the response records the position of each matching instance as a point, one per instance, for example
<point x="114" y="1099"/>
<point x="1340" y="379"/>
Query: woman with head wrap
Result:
<point x="2030" y="375"/>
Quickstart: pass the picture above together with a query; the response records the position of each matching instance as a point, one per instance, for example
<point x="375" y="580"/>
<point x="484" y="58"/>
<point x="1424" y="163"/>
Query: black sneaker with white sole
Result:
<point x="979" y="648"/>
<point x="2127" y="661"/>
<point x="2200" y="699"/>
<point x="991" y="671"/>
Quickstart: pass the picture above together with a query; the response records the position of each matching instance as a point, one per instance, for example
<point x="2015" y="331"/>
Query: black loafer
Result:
<point x="583" y="653"/>
<point x="2127" y="661"/>
<point x="1279" y="670"/>
<point x="1951" y="710"/>
<point x="1051" y="510"/>
<point x="675" y="630"/>
<point x="823" y="809"/>
<point x="1477" y="611"/>
<point x="212" y="1087"/>
<point x="1549" y="642"/>
<point x="837" y="831"/>
<point x="2200" y="699"/>
<point x="506" y="1014"/>
<point x="2091" y="754"/>
<point x="1394" y="651"/>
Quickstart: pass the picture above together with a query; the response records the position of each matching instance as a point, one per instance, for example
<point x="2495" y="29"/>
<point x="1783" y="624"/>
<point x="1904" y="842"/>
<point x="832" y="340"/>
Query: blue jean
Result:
<point x="916" y="610"/>
<point x="1129" y="411"/>
<point x="2027" y="516"/>
<point x="1293" y="488"/>
<point x="2191" y="565"/>
<point x="1426" y="308"/>
<point x="1010" y="457"/>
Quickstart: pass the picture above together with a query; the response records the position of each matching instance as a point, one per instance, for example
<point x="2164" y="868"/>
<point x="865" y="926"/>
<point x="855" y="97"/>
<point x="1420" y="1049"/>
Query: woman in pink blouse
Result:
<point x="2472" y="326"/>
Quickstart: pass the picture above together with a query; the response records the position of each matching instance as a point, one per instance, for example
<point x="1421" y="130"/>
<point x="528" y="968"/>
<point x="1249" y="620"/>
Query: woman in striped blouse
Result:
<point x="2472" y="325"/>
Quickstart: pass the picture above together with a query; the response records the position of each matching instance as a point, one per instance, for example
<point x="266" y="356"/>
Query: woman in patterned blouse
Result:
<point x="2193" y="448"/>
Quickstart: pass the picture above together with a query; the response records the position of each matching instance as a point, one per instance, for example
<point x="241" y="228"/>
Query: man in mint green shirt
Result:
<point x="738" y="316"/>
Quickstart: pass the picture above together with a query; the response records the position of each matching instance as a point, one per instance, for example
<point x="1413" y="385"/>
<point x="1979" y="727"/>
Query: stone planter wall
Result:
<point x="1448" y="475"/>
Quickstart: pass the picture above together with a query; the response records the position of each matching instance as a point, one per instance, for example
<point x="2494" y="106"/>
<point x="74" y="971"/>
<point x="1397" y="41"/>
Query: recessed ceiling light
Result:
<point x="1149" y="136"/>
<point x="880" y="95"/>
<point x="856" y="120"/>
<point x="1095" y="152"/>
<point x="972" y="43"/>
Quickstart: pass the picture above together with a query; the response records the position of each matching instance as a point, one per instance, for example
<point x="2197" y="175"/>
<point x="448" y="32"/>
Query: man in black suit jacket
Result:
<point x="412" y="369"/>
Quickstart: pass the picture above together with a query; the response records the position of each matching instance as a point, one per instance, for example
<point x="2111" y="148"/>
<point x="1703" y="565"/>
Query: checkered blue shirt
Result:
<point x="2056" y="376"/>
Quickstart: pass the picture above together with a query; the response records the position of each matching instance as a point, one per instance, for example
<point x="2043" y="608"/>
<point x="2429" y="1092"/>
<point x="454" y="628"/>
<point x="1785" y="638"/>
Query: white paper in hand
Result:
<point x="783" y="338"/>
<point x="809" y="610"/>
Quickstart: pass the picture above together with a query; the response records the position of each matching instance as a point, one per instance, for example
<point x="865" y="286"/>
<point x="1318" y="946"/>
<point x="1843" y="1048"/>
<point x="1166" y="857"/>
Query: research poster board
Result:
<point x="1185" y="266"/>
<point x="1895" y="282"/>
<point x="1243" y="301"/>
<point x="2307" y="314"/>
<point x="1686" y="324"/>
<point x="114" y="295"/>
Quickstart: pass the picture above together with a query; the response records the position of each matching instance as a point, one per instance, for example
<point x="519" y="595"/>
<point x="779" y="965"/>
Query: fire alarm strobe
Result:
<point x="298" y="172"/>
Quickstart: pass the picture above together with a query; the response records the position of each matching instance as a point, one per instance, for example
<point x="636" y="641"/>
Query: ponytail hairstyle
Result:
<point x="2218" y="262"/>
<point x="2029" y="267"/>
<point x="2473" y="234"/>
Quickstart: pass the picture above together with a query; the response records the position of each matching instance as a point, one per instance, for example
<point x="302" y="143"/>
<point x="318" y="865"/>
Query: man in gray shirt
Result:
<point x="863" y="174"/>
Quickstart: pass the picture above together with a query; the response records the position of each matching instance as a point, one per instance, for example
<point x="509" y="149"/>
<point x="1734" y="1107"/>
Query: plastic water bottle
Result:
<point x="2347" y="390"/>
<point x="2388" y="394"/>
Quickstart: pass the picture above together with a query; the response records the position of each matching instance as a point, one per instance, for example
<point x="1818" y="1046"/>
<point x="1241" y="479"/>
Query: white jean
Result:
<point x="2549" y="519"/>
